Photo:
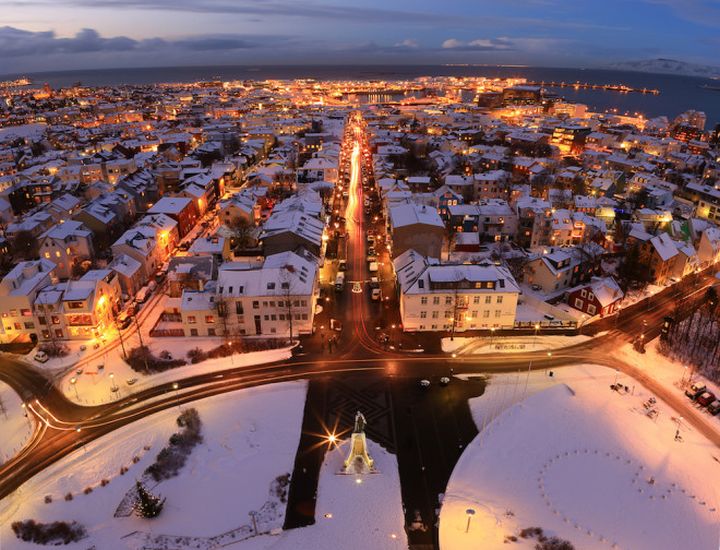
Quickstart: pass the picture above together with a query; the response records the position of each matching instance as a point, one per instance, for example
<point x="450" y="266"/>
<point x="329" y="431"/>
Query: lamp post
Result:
<point x="527" y="378"/>
<point x="549" y="354"/>
<point x="678" y="421"/>
<point x="492" y="335"/>
<point x="73" y="382"/>
<point x="24" y="408"/>
<point x="176" y="387"/>
<point x="470" y="513"/>
<point x="78" y="430"/>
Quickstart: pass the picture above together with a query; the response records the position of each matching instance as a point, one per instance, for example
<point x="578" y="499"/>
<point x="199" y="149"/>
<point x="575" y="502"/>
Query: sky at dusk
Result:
<point x="37" y="35"/>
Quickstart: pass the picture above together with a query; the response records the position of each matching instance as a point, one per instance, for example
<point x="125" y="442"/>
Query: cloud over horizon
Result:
<point x="81" y="34"/>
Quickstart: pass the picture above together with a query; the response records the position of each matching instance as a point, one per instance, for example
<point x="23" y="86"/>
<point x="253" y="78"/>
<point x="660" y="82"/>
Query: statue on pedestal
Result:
<point x="359" y="461"/>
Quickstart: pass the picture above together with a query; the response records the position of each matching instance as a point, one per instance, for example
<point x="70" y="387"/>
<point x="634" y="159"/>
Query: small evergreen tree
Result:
<point x="147" y="505"/>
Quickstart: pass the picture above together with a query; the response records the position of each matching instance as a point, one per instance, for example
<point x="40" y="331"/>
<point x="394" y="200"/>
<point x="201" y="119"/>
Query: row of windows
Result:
<point x="449" y="300"/>
<point x="210" y="319"/>
<point x="14" y="313"/>
<point x="19" y="326"/>
<point x="449" y="327"/>
<point x="449" y="314"/>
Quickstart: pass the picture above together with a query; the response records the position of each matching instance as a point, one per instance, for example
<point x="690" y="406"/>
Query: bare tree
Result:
<point x="242" y="232"/>
<point x="287" y="292"/>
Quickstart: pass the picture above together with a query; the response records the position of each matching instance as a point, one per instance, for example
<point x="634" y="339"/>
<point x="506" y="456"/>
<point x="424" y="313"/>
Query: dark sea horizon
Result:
<point x="677" y="93"/>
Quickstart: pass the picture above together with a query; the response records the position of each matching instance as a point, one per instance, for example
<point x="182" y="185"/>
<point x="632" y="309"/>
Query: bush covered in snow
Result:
<point x="172" y="458"/>
<point x="54" y="533"/>
<point x="55" y="349"/>
<point x="142" y="360"/>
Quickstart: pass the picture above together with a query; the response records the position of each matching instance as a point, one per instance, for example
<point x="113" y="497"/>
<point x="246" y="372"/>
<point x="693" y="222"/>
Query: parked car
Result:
<point x="41" y="357"/>
<point x="695" y="390"/>
<point x="336" y="325"/>
<point x="714" y="407"/>
<point x="424" y="383"/>
<point x="373" y="267"/>
<point x="340" y="282"/>
<point x="342" y="265"/>
<point x="444" y="381"/>
<point x="376" y="294"/>
<point x="705" y="398"/>
<point x="374" y="282"/>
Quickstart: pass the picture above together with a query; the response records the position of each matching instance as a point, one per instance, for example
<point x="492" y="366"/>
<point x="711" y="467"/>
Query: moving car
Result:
<point x="376" y="294"/>
<point x="373" y="267"/>
<point x="705" y="398"/>
<point x="714" y="407"/>
<point x="336" y="325"/>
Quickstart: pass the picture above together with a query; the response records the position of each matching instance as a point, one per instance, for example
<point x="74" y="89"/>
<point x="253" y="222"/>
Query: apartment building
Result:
<point x="456" y="298"/>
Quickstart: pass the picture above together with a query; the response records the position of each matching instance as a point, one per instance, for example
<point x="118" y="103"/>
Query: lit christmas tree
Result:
<point x="147" y="505"/>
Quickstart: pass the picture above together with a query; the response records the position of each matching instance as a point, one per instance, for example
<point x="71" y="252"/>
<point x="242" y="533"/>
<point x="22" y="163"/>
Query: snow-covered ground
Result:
<point x="15" y="427"/>
<point x="671" y="374"/>
<point x="250" y="438"/>
<point x="582" y="462"/>
<point x="353" y="512"/>
<point x="93" y="386"/>
<point x="508" y="344"/>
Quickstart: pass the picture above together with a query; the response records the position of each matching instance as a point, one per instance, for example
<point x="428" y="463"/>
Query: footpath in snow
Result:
<point x="462" y="345"/>
<point x="583" y="462"/>
<point x="250" y="438"/>
<point x="353" y="512"/>
<point x="93" y="385"/>
<point x="16" y="426"/>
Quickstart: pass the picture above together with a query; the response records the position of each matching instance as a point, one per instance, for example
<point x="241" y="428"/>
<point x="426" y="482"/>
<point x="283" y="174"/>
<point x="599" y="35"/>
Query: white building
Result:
<point x="270" y="300"/>
<point x="448" y="297"/>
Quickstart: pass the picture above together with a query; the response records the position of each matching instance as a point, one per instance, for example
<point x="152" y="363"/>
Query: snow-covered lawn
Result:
<point x="354" y="512"/>
<point x="94" y="386"/>
<point x="671" y="374"/>
<point x="250" y="438"/>
<point x="508" y="344"/>
<point x="15" y="427"/>
<point x="583" y="463"/>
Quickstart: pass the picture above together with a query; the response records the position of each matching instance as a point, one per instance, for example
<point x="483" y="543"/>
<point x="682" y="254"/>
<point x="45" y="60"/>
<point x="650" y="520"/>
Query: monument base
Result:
<point x="358" y="460"/>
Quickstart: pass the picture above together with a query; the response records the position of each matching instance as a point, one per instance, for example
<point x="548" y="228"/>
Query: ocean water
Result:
<point x="677" y="93"/>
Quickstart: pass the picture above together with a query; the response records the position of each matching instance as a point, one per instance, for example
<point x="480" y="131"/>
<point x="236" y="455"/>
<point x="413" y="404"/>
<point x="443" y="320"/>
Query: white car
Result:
<point x="373" y="267"/>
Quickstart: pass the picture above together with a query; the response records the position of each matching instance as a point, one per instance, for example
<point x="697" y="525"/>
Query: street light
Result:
<point x="24" y="408"/>
<point x="176" y="387"/>
<point x="78" y="429"/>
<point x="73" y="381"/>
<point x="470" y="513"/>
<point x="549" y="354"/>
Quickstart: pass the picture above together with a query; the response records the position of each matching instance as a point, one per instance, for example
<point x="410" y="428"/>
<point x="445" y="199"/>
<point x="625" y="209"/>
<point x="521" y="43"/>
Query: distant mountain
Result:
<point x="667" y="66"/>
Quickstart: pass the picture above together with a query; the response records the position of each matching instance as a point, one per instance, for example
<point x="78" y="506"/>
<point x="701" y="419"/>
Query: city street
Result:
<point x="426" y="428"/>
